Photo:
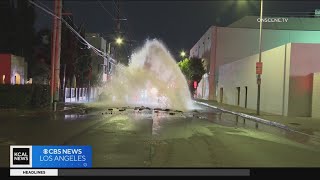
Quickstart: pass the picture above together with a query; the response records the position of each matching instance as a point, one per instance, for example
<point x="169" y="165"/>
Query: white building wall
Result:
<point x="242" y="73"/>
<point x="233" y="44"/>
<point x="17" y="68"/>
<point x="237" y="43"/>
<point x="316" y="96"/>
<point x="203" y="87"/>
<point x="203" y="45"/>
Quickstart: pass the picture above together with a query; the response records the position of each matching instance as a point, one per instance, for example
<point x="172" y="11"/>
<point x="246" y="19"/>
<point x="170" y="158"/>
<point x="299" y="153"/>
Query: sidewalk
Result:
<point x="61" y="108"/>
<point x="306" y="125"/>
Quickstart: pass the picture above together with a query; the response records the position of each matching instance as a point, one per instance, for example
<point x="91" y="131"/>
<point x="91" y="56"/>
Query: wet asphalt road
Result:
<point x="128" y="137"/>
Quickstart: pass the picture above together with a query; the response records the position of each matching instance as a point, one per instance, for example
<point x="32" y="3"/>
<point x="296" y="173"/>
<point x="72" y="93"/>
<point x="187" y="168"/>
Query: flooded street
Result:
<point x="144" y="137"/>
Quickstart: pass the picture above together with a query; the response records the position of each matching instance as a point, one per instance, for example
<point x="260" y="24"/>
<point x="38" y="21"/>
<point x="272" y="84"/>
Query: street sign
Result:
<point x="259" y="68"/>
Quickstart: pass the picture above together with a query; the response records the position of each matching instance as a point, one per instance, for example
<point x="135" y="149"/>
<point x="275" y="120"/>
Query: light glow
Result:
<point x="183" y="54"/>
<point x="119" y="40"/>
<point x="3" y="79"/>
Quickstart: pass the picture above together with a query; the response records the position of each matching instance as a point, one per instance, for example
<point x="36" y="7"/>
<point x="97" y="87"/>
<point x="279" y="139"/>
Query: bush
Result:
<point x="34" y="95"/>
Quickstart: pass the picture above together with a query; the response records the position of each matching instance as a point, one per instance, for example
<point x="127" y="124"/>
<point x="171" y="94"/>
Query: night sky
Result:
<point x="179" y="24"/>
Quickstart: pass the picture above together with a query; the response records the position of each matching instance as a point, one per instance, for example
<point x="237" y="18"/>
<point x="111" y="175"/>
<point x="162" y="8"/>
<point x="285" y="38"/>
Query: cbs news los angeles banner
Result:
<point x="47" y="159"/>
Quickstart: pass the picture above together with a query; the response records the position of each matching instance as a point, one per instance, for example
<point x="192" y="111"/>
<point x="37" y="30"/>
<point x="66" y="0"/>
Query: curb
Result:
<point x="256" y="119"/>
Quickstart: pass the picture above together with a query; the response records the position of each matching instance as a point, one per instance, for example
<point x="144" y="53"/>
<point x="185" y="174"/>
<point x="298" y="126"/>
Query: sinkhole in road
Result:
<point x="151" y="79"/>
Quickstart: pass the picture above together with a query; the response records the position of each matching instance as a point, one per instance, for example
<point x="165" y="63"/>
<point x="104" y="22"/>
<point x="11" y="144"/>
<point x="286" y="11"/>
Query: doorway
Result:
<point x="221" y="95"/>
<point x="17" y="79"/>
<point x="238" y="96"/>
<point x="246" y="97"/>
<point x="3" y="79"/>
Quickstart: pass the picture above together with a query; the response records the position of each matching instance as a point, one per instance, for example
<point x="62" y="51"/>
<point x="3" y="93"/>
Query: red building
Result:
<point x="13" y="69"/>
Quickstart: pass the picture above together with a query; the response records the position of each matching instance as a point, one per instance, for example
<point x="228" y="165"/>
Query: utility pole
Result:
<point x="117" y="29"/>
<point x="64" y="81"/>
<point x="118" y="17"/>
<point x="53" y="53"/>
<point x="259" y="64"/>
<point x="55" y="58"/>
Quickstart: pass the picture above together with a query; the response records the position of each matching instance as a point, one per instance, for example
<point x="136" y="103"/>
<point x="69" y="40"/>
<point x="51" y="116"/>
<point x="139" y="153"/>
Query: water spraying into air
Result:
<point x="152" y="79"/>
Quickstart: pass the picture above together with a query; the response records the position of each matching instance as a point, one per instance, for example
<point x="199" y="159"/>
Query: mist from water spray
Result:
<point x="152" y="79"/>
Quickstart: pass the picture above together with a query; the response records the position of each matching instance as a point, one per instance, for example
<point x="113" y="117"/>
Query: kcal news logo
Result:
<point x="20" y="156"/>
<point x="51" y="156"/>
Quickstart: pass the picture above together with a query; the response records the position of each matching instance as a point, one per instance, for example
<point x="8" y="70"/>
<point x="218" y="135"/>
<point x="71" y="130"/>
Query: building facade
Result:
<point x="13" y="69"/>
<point x="223" y="45"/>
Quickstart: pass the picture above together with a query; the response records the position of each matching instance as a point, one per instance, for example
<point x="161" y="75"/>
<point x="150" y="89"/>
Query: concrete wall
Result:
<point x="316" y="96"/>
<point x="305" y="62"/>
<point x="300" y="95"/>
<point x="275" y="78"/>
<point x="236" y="43"/>
<point x="288" y="86"/>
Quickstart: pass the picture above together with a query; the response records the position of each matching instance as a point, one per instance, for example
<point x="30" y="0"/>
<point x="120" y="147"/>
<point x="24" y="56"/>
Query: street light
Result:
<point x="119" y="40"/>
<point x="183" y="54"/>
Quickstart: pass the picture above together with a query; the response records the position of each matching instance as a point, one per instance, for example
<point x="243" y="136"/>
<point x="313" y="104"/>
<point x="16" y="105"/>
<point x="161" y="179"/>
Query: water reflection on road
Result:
<point x="140" y="136"/>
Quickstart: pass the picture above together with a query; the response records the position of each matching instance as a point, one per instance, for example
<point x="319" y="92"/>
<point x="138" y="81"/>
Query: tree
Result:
<point x="40" y="65"/>
<point x="193" y="70"/>
<point x="82" y="67"/>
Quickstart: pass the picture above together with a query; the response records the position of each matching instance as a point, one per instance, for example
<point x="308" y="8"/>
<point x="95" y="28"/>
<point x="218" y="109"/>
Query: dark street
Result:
<point x="128" y="137"/>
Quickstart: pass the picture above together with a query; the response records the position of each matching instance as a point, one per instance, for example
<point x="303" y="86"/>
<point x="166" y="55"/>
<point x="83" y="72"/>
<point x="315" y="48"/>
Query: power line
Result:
<point x="50" y="10"/>
<point x="105" y="9"/>
<point x="116" y="6"/>
<point x="97" y="51"/>
<point x="67" y="16"/>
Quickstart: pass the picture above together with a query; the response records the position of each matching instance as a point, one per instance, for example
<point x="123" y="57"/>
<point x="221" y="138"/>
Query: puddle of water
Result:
<point x="236" y="121"/>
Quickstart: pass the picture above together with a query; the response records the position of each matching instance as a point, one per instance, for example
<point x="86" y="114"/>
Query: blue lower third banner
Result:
<point x="51" y="156"/>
